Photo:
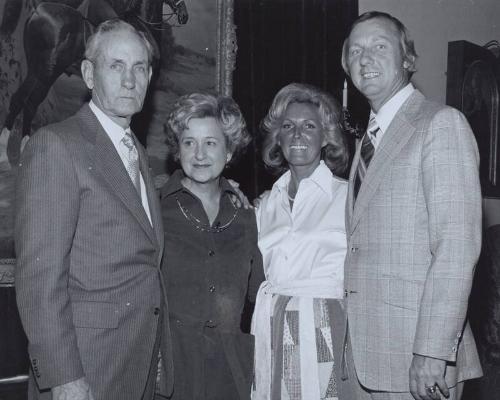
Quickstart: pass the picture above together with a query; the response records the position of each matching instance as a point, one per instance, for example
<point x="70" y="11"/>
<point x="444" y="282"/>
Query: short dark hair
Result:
<point x="335" y="153"/>
<point x="406" y="43"/>
<point x="203" y="105"/>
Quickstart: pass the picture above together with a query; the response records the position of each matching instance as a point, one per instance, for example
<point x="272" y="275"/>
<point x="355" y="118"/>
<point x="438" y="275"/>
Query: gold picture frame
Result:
<point x="226" y="47"/>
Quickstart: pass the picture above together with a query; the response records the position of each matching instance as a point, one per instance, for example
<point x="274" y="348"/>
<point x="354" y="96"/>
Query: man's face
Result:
<point x="375" y="61"/>
<point x="120" y="75"/>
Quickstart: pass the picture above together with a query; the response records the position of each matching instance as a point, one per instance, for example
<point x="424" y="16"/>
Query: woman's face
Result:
<point x="301" y="136"/>
<point x="203" y="152"/>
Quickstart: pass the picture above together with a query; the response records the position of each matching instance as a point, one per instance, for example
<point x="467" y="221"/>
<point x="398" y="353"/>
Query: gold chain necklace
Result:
<point x="204" y="227"/>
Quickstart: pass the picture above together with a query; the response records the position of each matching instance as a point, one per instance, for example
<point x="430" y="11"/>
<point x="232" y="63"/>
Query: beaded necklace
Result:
<point x="204" y="227"/>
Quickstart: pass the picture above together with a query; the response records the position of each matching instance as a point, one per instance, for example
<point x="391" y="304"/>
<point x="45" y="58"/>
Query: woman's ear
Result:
<point x="228" y="157"/>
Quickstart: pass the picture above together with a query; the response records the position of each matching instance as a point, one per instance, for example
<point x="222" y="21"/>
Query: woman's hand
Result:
<point x="258" y="200"/>
<point x="240" y="200"/>
<point x="160" y="180"/>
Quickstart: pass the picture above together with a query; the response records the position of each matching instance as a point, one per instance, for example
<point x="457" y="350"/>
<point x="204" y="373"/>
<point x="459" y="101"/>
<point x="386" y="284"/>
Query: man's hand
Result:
<point x="241" y="200"/>
<point x="75" y="390"/>
<point x="425" y="372"/>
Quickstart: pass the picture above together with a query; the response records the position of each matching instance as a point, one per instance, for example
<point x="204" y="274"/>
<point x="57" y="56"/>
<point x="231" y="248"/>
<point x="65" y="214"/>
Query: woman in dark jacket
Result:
<point x="211" y="262"/>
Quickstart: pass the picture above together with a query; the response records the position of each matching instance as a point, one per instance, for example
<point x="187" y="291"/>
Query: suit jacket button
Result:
<point x="211" y="253"/>
<point x="211" y="289"/>
<point x="210" y="324"/>
<point x="156" y="311"/>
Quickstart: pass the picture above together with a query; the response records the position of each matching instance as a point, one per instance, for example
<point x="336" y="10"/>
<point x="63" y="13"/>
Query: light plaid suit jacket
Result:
<point x="414" y="236"/>
<point x="88" y="259"/>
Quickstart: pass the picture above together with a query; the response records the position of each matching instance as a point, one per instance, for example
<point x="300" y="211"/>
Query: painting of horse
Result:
<point x="37" y="89"/>
<point x="54" y="42"/>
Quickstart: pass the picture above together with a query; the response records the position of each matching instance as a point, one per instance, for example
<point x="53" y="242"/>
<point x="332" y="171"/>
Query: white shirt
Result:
<point x="116" y="134"/>
<point x="308" y="241"/>
<point x="387" y="112"/>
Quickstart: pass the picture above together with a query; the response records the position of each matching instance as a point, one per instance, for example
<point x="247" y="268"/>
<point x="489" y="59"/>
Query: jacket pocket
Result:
<point x="93" y="314"/>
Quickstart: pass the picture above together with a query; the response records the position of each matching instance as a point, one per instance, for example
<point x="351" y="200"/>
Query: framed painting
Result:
<point x="197" y="51"/>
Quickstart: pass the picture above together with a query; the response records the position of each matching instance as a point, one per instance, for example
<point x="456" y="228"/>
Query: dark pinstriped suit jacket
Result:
<point x="88" y="259"/>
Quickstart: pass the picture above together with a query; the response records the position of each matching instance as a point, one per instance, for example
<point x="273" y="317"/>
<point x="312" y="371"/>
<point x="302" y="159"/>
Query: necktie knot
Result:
<point x="373" y="127"/>
<point x="366" y="154"/>
<point x="132" y="164"/>
<point x="128" y="141"/>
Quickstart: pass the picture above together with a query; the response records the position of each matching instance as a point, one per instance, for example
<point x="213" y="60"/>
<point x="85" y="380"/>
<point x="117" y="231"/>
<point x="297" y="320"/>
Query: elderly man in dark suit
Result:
<point x="89" y="239"/>
<point x="413" y="223"/>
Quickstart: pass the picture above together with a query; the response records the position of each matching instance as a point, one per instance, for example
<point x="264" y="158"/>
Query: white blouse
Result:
<point x="309" y="241"/>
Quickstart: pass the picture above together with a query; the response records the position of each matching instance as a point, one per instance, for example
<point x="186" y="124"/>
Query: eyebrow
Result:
<point x="379" y="37"/>
<point x="122" y="61"/>
<point x="206" y="137"/>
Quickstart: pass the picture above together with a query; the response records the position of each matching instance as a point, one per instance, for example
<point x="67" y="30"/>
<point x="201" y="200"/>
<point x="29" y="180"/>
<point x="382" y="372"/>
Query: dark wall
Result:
<point x="279" y="42"/>
<point x="13" y="342"/>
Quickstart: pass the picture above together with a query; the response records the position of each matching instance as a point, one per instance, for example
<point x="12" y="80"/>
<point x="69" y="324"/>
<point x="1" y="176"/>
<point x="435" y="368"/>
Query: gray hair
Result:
<point x="114" y="25"/>
<point x="406" y="43"/>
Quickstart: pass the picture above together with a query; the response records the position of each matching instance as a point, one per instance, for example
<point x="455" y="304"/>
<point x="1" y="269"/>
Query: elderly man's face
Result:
<point x="120" y="76"/>
<point x="375" y="61"/>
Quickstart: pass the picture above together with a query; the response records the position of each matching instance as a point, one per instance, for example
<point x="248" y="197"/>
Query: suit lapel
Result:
<point x="153" y="199"/>
<point x="350" y="187"/>
<point x="397" y="135"/>
<point x="109" y="165"/>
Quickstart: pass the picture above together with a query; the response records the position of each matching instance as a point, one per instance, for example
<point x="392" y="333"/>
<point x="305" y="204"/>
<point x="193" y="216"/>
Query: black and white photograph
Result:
<point x="249" y="199"/>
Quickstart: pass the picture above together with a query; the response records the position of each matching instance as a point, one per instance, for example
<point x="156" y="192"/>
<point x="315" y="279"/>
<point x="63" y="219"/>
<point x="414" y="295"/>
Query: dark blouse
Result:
<point x="208" y="276"/>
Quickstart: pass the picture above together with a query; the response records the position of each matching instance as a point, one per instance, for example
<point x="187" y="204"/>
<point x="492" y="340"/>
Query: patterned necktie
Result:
<point x="132" y="164"/>
<point x="367" y="150"/>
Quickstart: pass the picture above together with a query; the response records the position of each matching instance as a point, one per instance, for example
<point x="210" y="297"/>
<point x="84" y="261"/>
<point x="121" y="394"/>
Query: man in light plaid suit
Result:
<point x="413" y="226"/>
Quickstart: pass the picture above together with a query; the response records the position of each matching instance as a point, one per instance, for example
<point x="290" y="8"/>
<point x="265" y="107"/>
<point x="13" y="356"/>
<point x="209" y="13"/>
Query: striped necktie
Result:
<point x="132" y="165"/>
<point x="366" y="154"/>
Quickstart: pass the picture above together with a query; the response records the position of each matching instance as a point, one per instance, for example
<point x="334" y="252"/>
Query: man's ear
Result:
<point x="87" y="68"/>
<point x="408" y="62"/>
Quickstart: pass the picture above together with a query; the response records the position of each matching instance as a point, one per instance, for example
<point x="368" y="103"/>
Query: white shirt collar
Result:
<point x="322" y="177"/>
<point x="387" y="112"/>
<point x="114" y="131"/>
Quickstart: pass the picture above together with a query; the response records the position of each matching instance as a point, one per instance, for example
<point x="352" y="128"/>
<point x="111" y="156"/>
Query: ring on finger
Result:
<point x="431" y="389"/>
